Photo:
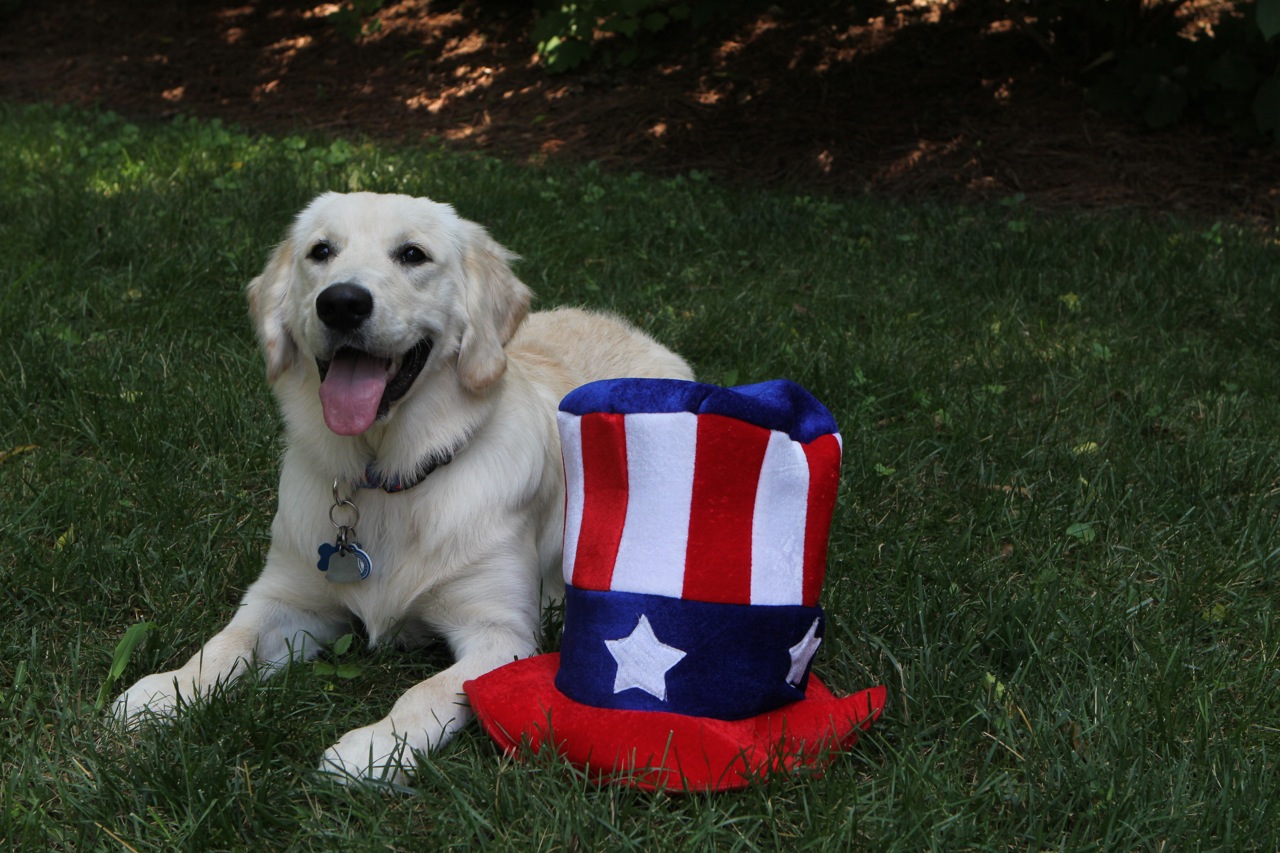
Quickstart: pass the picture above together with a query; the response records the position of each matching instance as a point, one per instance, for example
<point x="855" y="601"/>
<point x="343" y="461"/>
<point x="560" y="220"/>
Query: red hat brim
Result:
<point x="519" y="703"/>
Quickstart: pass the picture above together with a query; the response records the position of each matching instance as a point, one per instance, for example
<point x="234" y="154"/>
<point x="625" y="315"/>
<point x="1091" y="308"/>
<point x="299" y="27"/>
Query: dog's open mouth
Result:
<point x="357" y="388"/>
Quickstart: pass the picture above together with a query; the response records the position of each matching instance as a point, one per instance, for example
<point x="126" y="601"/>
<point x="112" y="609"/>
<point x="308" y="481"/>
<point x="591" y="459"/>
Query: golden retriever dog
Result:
<point x="421" y="490"/>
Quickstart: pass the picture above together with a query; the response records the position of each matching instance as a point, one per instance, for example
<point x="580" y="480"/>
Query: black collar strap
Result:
<point x="373" y="480"/>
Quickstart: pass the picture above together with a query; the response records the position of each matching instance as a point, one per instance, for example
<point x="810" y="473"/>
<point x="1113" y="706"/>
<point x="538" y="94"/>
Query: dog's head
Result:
<point x="372" y="290"/>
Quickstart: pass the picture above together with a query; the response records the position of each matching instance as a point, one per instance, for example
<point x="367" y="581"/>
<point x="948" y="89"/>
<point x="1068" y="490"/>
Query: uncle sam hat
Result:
<point x="695" y="547"/>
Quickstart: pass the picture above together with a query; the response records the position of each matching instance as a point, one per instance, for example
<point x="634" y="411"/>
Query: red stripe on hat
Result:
<point x="604" y="505"/>
<point x="725" y="475"/>
<point x="823" y="454"/>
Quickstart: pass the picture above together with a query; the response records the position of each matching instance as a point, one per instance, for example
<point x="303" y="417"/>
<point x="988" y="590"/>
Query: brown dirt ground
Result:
<point x="914" y="99"/>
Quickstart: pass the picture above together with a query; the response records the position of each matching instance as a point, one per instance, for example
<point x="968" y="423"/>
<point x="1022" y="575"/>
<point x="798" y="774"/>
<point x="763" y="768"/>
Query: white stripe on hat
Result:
<point x="660" y="457"/>
<point x="778" y="524"/>
<point x="571" y="447"/>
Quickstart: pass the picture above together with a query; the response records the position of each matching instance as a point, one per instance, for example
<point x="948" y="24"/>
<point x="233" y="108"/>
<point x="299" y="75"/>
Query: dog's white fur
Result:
<point x="469" y="554"/>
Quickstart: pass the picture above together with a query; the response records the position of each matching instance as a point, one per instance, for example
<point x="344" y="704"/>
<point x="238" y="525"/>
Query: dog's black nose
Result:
<point x="344" y="306"/>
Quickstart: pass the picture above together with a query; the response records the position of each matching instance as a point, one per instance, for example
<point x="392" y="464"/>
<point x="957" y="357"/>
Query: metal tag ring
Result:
<point x="355" y="511"/>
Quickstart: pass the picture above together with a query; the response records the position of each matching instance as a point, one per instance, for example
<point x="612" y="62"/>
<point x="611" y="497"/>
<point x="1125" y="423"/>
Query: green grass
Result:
<point x="1056" y="540"/>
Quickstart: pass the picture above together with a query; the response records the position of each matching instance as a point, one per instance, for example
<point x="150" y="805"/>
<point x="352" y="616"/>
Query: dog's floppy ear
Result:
<point x="266" y="306"/>
<point x="496" y="302"/>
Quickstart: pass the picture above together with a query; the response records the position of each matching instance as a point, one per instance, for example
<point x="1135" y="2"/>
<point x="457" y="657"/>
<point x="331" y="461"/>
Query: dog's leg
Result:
<point x="428" y="714"/>
<point x="265" y="632"/>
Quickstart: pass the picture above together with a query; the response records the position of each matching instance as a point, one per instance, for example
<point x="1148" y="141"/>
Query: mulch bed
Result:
<point x="922" y="99"/>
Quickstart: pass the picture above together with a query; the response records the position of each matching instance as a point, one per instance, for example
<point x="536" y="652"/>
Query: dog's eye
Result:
<point x="320" y="252"/>
<point x="413" y="255"/>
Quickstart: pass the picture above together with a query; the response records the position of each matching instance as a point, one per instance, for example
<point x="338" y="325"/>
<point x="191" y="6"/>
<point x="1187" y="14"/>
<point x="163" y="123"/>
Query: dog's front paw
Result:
<point x="371" y="754"/>
<point x="153" y="697"/>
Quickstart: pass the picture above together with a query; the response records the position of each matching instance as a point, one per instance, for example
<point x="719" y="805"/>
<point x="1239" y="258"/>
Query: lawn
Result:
<point x="1056" y="540"/>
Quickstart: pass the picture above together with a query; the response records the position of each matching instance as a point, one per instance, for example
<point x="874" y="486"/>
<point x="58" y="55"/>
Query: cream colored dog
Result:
<point x="398" y="348"/>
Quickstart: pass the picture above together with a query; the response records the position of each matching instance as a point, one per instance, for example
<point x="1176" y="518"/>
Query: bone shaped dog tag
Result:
<point x="345" y="564"/>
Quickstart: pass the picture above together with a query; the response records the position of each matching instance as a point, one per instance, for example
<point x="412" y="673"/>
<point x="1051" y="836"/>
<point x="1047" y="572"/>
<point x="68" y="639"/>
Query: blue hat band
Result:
<point x="632" y="651"/>
<point x="778" y="404"/>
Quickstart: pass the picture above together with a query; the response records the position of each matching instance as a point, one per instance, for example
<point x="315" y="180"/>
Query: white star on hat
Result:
<point x="643" y="661"/>
<point x="802" y="653"/>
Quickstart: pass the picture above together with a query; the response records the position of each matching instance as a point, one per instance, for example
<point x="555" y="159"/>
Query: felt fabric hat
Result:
<point x="695" y="548"/>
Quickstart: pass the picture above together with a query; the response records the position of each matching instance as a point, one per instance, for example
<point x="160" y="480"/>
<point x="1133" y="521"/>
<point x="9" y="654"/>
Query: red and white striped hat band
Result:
<point x="698" y="492"/>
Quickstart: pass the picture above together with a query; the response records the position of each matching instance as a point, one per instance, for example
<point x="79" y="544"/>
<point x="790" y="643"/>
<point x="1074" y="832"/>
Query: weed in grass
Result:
<point x="1056" y="538"/>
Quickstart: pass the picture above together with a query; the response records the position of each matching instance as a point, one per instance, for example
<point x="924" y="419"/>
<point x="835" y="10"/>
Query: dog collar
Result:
<point x="373" y="480"/>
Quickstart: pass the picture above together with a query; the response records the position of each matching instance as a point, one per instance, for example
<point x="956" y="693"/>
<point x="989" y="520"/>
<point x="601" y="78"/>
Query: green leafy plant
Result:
<point x="1082" y="531"/>
<point x="352" y="18"/>
<point x="569" y="34"/>
<point x="1147" y="66"/>
<point x="133" y="636"/>
<point x="334" y="667"/>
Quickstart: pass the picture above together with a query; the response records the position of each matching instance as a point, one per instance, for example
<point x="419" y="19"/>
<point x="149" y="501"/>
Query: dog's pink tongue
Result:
<point x="351" y="392"/>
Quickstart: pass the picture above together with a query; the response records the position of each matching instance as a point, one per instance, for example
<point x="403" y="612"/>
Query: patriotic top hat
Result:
<point x="695" y="547"/>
